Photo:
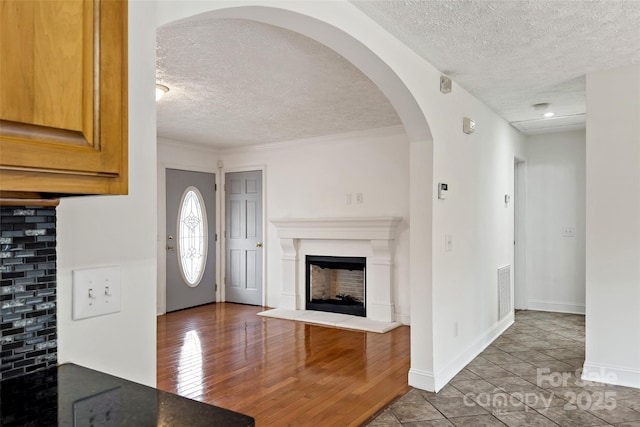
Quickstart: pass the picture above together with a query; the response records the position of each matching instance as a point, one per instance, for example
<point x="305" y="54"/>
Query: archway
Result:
<point x="341" y="27"/>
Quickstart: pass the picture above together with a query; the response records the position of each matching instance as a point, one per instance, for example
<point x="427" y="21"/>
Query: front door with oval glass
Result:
<point x="190" y="239"/>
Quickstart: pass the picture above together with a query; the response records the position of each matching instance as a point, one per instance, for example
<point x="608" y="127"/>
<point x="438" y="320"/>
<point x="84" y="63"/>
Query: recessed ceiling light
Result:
<point x="549" y="114"/>
<point x="160" y="91"/>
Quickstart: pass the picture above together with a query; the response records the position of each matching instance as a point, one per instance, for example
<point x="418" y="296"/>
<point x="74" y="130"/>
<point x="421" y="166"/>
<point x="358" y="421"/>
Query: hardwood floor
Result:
<point x="281" y="372"/>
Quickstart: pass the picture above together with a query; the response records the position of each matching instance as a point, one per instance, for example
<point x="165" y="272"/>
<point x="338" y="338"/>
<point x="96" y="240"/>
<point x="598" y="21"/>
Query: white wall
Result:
<point x="555" y="200"/>
<point x="479" y="171"/>
<point x="310" y="179"/>
<point x="190" y="157"/>
<point x="613" y="226"/>
<point x="118" y="230"/>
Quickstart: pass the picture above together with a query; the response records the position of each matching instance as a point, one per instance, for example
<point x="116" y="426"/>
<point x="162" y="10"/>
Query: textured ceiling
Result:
<point x="513" y="54"/>
<point x="236" y="82"/>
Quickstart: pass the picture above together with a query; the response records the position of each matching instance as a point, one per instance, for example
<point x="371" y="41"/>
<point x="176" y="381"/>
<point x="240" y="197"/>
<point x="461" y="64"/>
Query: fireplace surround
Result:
<point x="375" y="238"/>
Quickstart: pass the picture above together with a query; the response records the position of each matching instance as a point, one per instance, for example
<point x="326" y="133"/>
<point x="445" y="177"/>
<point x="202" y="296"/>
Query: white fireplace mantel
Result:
<point x="379" y="232"/>
<point x="352" y="228"/>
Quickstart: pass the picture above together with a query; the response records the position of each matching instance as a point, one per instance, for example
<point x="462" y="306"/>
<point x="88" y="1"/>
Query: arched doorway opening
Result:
<point x="370" y="52"/>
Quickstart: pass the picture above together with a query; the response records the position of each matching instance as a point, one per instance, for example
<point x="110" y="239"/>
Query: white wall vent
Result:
<point x="504" y="291"/>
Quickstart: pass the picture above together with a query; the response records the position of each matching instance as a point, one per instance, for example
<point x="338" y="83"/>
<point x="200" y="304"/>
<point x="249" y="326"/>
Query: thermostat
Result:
<point x="442" y="190"/>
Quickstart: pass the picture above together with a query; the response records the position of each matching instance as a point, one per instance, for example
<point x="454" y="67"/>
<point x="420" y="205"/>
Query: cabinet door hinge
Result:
<point x="215" y="187"/>
<point x="216" y="237"/>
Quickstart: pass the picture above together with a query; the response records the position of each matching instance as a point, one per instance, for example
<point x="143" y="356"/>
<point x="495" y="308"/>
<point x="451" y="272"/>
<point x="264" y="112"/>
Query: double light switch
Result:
<point x="96" y="291"/>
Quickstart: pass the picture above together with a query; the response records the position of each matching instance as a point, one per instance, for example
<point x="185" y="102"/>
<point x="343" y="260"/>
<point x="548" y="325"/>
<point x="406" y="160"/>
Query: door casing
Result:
<point x="519" y="235"/>
<point x="185" y="296"/>
<point x="222" y="220"/>
<point x="162" y="226"/>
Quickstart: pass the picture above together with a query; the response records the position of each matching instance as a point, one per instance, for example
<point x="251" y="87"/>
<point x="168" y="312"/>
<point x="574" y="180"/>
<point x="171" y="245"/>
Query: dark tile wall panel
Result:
<point x="28" y="340"/>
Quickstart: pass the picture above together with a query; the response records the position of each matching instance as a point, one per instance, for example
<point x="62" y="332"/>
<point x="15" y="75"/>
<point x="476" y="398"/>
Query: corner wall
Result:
<point x="555" y="202"/>
<point x="118" y="230"/>
<point x="479" y="170"/>
<point x="613" y="227"/>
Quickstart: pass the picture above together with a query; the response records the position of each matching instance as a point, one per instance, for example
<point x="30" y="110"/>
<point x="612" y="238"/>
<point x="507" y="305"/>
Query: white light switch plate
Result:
<point x="96" y="291"/>
<point x="448" y="243"/>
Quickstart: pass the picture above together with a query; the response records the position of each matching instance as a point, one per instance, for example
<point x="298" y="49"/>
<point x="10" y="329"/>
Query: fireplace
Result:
<point x="336" y="284"/>
<point x="373" y="237"/>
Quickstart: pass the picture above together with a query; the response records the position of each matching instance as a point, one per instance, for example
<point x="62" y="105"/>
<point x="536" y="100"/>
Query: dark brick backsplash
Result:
<point x="28" y="338"/>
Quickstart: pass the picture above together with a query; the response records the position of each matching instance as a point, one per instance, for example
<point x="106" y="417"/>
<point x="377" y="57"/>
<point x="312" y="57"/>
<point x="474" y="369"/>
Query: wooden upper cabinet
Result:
<point x="63" y="96"/>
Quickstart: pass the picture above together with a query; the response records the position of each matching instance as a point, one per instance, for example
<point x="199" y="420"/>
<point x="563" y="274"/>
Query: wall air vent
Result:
<point x="504" y="291"/>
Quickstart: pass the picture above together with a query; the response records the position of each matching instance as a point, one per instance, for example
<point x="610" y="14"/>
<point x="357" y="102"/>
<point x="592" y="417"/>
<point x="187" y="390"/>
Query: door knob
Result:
<point x="170" y="247"/>
<point x="258" y="245"/>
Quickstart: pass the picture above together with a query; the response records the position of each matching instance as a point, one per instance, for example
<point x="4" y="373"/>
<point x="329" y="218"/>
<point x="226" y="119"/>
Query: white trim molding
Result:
<point x="557" y="306"/>
<point x="423" y="380"/>
<point x="397" y="131"/>
<point x="223" y="171"/>
<point x="456" y="365"/>
<point x="378" y="231"/>
<point x="611" y="375"/>
<point x="349" y="228"/>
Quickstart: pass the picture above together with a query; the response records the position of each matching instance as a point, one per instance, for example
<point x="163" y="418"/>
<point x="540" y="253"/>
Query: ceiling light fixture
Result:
<point x="541" y="106"/>
<point x="549" y="114"/>
<point x="160" y="91"/>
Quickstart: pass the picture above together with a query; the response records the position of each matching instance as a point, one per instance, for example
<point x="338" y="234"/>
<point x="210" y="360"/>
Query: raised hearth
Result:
<point x="334" y="320"/>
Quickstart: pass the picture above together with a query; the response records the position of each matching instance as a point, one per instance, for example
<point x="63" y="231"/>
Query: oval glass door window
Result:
<point x="192" y="236"/>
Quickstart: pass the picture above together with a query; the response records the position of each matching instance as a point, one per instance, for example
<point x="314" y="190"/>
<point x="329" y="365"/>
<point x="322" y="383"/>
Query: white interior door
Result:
<point x="243" y="237"/>
<point x="190" y="244"/>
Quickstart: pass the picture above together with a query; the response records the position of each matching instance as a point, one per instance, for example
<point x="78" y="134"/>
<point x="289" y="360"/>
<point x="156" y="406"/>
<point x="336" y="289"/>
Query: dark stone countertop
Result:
<point x="71" y="395"/>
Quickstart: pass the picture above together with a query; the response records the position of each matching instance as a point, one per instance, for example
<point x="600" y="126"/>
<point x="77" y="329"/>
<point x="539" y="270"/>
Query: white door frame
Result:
<point x="162" y="228"/>
<point x="520" y="228"/>
<point x="223" y="209"/>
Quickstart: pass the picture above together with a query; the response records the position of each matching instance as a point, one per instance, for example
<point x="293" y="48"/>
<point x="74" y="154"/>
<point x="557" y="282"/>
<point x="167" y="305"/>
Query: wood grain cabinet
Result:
<point x="63" y="97"/>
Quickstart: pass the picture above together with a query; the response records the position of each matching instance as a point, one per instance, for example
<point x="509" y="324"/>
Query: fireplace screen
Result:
<point x="336" y="284"/>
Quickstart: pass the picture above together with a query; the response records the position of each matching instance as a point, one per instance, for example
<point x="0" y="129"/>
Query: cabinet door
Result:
<point x="63" y="96"/>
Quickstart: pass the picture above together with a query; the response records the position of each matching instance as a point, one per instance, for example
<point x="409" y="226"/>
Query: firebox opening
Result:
<point x="336" y="284"/>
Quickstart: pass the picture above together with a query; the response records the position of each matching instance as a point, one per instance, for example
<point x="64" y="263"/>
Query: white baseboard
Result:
<point x="556" y="306"/>
<point x="611" y="375"/>
<point x="477" y="347"/>
<point x="405" y="319"/>
<point x="423" y="380"/>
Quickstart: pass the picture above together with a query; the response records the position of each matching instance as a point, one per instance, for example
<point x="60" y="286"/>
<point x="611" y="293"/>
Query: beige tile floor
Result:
<point x="527" y="377"/>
